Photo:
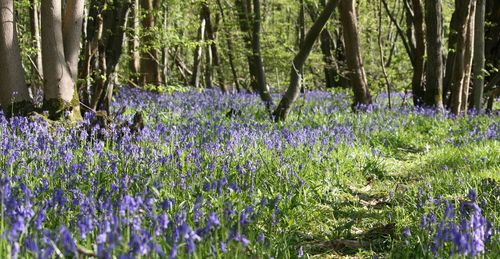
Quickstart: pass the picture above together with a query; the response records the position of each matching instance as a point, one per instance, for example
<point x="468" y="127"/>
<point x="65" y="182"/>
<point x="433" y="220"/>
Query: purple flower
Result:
<point x="406" y="233"/>
<point x="472" y="195"/>
<point x="67" y="240"/>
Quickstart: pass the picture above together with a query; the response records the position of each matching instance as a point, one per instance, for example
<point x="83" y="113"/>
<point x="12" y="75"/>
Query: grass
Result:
<point x="328" y="183"/>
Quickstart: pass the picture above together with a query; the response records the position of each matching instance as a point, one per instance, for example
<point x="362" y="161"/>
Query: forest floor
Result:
<point x="212" y="176"/>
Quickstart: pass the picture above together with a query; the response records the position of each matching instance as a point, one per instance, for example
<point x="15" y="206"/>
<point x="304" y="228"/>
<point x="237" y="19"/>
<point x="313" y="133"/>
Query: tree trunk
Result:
<point x="469" y="55"/>
<point x="434" y="73"/>
<point x="459" y="76"/>
<point x="450" y="58"/>
<point x="479" y="55"/>
<point x="357" y="74"/>
<point x="213" y="62"/>
<point x="330" y="68"/>
<point x="71" y="30"/>
<point x="251" y="36"/>
<point x="198" y="52"/>
<point x="14" y="95"/>
<point x="133" y="45"/>
<point x="230" y="49"/>
<point x="37" y="42"/>
<point x="111" y="43"/>
<point x="284" y="107"/>
<point x="60" y="95"/>
<point x="418" y="79"/>
<point x="150" y="69"/>
<point x="260" y="75"/>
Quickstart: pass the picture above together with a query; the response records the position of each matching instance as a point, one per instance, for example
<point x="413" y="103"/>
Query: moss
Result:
<point x="22" y="108"/>
<point x="57" y="109"/>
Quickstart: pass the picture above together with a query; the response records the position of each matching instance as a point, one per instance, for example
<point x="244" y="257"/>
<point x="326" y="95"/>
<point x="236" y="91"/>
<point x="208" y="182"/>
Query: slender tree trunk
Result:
<point x="165" y="50"/>
<point x="353" y="54"/>
<point x="301" y="33"/>
<point x="418" y="80"/>
<point x="260" y="74"/>
<point x="479" y="55"/>
<point x="330" y="68"/>
<point x="135" y="56"/>
<point x="464" y="8"/>
<point x="382" y="56"/>
<point x="469" y="55"/>
<point x="434" y="27"/>
<point x="14" y="95"/>
<point x="450" y="58"/>
<point x="293" y="91"/>
<point x="252" y="42"/>
<point x="198" y="52"/>
<point x="230" y="49"/>
<point x="60" y="95"/>
<point x="37" y="42"/>
<point x="111" y="44"/>
<point x="209" y="62"/>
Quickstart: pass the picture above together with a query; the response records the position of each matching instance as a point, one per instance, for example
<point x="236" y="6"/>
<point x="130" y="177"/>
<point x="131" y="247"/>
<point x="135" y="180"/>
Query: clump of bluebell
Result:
<point x="461" y="230"/>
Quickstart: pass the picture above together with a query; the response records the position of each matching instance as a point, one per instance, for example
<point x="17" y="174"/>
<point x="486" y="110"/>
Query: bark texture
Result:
<point x="150" y="68"/>
<point x="14" y="95"/>
<point x="434" y="73"/>
<point x="479" y="55"/>
<point x="357" y="73"/>
<point x="60" y="95"/>
<point x="460" y="73"/>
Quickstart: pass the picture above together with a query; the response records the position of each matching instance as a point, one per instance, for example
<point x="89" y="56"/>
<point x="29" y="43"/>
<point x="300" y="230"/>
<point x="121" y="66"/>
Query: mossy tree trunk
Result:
<point x="60" y="57"/>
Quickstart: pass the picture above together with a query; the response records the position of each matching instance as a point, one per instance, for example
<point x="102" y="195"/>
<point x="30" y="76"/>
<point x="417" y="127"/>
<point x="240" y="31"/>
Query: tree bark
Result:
<point x="37" y="42"/>
<point x="110" y="37"/>
<point x="14" y="95"/>
<point x="479" y="55"/>
<point x="260" y="75"/>
<point x="330" y="68"/>
<point x="135" y="56"/>
<point x="293" y="91"/>
<point x="450" y="58"/>
<point x="357" y="74"/>
<point x="150" y="68"/>
<point x="434" y="73"/>
<point x="459" y="76"/>
<point x="60" y="95"/>
<point x="251" y="35"/>
<point x="71" y="30"/>
<point x="198" y="52"/>
<point x="230" y="49"/>
<point x="418" y="79"/>
<point x="469" y="55"/>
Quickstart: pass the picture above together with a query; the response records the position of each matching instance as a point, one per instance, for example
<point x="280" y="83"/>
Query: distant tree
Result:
<point x="198" y="52"/>
<point x="332" y="48"/>
<point x="103" y="47"/>
<point x="293" y="91"/>
<point x="14" y="95"/>
<point x="229" y="46"/>
<point x="250" y="24"/>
